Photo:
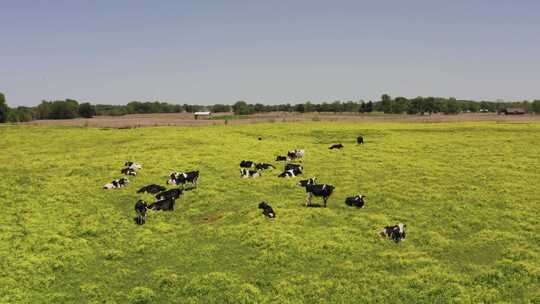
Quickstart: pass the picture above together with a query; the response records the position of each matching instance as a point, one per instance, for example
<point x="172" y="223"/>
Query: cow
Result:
<point x="117" y="183"/>
<point x="293" y="166"/>
<point x="173" y="193"/>
<point x="267" y="210"/>
<point x="128" y="171"/>
<point x="291" y="172"/>
<point x="246" y="164"/>
<point x="360" y="139"/>
<point x="246" y="173"/>
<point x="336" y="146"/>
<point x="395" y="233"/>
<point x="262" y="166"/>
<point x="306" y="182"/>
<point x="282" y="158"/>
<point x="356" y="201"/>
<point x="183" y="177"/>
<point x="318" y="190"/>
<point x="141" y="207"/>
<point x="132" y="165"/>
<point x="294" y="154"/>
<point x="165" y="205"/>
<point x="153" y="188"/>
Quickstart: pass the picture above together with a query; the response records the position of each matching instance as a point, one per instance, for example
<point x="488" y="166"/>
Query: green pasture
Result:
<point x="469" y="194"/>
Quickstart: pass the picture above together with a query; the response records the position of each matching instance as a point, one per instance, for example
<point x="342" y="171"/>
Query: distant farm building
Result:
<point x="204" y="115"/>
<point x="515" y="111"/>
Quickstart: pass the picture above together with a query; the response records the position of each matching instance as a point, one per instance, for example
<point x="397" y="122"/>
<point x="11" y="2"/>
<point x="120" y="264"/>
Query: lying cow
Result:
<point x="336" y="146"/>
<point x="360" y="140"/>
<point x="128" y="171"/>
<point x="267" y="210"/>
<point x="246" y="164"/>
<point x="396" y="232"/>
<point x="293" y="166"/>
<point x="263" y="166"/>
<point x="282" y="158"/>
<point x="165" y="205"/>
<point x="313" y="189"/>
<point x="153" y="188"/>
<point x="117" y="183"/>
<point x="132" y="165"/>
<point x="173" y="193"/>
<point x="355" y="201"/>
<point x="182" y="178"/>
<point x="294" y="154"/>
<point x="291" y="172"/>
<point x="246" y="173"/>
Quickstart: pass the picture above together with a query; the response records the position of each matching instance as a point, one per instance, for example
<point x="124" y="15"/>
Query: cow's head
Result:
<point x="401" y="227"/>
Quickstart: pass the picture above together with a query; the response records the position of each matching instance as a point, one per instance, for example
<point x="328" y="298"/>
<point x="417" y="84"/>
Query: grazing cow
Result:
<point x="396" y="232"/>
<point x="293" y="166"/>
<point x="165" y="205"/>
<point x="305" y="182"/>
<point x="336" y="146"/>
<point x="282" y="158"/>
<point x="294" y="154"/>
<point x="360" y="139"/>
<point x="262" y="166"/>
<point x="246" y="173"/>
<point x="291" y="172"/>
<point x="132" y="165"/>
<point x="246" y="164"/>
<point x="153" y="188"/>
<point x="173" y="193"/>
<point x="267" y="210"/>
<point x="139" y="219"/>
<point x="128" y="171"/>
<point x="356" y="201"/>
<point x="117" y="183"/>
<point x="182" y="178"/>
<point x="323" y="191"/>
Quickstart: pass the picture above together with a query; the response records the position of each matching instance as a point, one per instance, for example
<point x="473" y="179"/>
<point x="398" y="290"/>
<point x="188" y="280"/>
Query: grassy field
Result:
<point x="468" y="192"/>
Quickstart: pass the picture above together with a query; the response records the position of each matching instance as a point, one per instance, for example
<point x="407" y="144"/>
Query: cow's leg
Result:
<point x="324" y="199"/>
<point x="308" y="199"/>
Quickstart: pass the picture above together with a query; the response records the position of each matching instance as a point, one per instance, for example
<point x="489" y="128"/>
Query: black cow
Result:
<point x="262" y="166"/>
<point x="245" y="173"/>
<point x="117" y="183"/>
<point x="293" y="166"/>
<point x="282" y="158"/>
<point x="396" y="232"/>
<point x="173" y="193"/>
<point x="306" y="182"/>
<point x="336" y="146"/>
<point x="141" y="207"/>
<point x="323" y="191"/>
<point x="153" y="188"/>
<point x="246" y="164"/>
<point x="291" y="172"/>
<point x="360" y="139"/>
<point x="356" y="201"/>
<point x="128" y="171"/>
<point x="165" y="205"/>
<point x="184" y="177"/>
<point x="267" y="210"/>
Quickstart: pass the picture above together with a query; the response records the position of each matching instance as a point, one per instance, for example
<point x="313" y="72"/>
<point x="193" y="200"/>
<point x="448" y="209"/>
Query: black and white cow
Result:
<point x="117" y="183"/>
<point x="246" y="164"/>
<point x="360" y="139"/>
<point x="165" y="205"/>
<point x="181" y="178"/>
<point x="294" y="154"/>
<point x="293" y="166"/>
<point x="282" y="158"/>
<point x="133" y="165"/>
<point x="336" y="146"/>
<point x="153" y="188"/>
<point x="262" y="166"/>
<point x="291" y="172"/>
<point x="246" y="173"/>
<point x="396" y="232"/>
<point x="306" y="182"/>
<point x="323" y="190"/>
<point x="267" y="210"/>
<point x="355" y="201"/>
<point x="173" y="193"/>
<point x="128" y="171"/>
<point x="141" y="207"/>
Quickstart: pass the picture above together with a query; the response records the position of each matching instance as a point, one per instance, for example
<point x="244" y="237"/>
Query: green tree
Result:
<point x="3" y="108"/>
<point x="87" y="110"/>
<point x="241" y="108"/>
<point x="386" y="103"/>
<point x="536" y="106"/>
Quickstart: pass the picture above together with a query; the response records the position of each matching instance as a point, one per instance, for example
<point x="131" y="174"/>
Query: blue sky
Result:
<point x="207" y="52"/>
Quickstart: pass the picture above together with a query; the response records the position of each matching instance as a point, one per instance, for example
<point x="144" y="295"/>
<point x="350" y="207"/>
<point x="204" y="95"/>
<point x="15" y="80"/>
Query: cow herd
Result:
<point x="165" y="199"/>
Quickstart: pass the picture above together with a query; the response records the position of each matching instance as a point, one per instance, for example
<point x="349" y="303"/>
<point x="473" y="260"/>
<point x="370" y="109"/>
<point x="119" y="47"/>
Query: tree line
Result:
<point x="70" y="108"/>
